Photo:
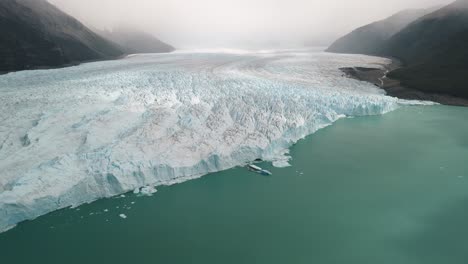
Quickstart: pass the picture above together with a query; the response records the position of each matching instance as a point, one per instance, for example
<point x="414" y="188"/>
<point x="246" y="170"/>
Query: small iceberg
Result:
<point x="146" y="191"/>
<point x="123" y="216"/>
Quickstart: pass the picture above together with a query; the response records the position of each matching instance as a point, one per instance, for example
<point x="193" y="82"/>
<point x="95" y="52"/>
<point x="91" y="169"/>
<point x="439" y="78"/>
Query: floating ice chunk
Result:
<point x="136" y="191"/>
<point x="282" y="159"/>
<point x="123" y="216"/>
<point x="148" y="190"/>
<point x="281" y="163"/>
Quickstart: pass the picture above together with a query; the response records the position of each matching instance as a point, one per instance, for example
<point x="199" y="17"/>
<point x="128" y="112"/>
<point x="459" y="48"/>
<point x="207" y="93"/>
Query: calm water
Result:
<point x="384" y="189"/>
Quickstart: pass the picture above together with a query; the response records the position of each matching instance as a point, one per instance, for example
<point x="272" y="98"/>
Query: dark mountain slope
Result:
<point x="369" y="39"/>
<point x="434" y="49"/>
<point x="35" y="34"/>
<point x="133" y="41"/>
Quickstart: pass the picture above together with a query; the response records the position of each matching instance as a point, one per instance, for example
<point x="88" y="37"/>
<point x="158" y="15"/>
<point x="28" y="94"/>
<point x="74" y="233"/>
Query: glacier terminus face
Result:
<point x="71" y="136"/>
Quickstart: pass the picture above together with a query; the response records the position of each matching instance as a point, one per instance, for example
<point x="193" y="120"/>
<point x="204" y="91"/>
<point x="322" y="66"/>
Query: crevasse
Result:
<point x="71" y="136"/>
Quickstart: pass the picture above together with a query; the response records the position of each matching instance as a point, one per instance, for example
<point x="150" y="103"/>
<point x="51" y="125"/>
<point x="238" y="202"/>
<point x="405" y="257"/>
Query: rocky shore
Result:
<point x="378" y="76"/>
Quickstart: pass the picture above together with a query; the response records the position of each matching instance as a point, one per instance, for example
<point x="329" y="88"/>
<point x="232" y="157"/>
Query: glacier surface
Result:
<point x="71" y="136"/>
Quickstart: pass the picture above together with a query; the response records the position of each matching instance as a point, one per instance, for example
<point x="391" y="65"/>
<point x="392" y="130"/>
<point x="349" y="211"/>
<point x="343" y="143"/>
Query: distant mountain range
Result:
<point x="371" y="38"/>
<point x="432" y="44"/>
<point x="36" y="34"/>
<point x="132" y="41"/>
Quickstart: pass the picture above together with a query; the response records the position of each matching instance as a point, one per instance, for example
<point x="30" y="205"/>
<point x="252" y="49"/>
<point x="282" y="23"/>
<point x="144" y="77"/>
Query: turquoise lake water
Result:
<point x="381" y="189"/>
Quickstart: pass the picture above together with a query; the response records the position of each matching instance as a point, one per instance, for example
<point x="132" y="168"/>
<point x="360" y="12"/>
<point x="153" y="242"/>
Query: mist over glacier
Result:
<point x="74" y="135"/>
<point x="239" y="23"/>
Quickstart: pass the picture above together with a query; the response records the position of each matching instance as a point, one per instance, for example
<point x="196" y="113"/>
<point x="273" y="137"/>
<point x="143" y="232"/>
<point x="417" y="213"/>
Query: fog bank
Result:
<point x="238" y="23"/>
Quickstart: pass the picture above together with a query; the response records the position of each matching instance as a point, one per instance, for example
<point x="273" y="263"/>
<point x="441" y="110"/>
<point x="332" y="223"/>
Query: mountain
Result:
<point x="369" y="39"/>
<point x="133" y="41"/>
<point x="35" y="33"/>
<point x="434" y="50"/>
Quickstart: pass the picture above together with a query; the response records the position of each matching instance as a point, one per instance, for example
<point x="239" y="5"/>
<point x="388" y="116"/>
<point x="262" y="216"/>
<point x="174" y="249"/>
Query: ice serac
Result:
<point x="74" y="135"/>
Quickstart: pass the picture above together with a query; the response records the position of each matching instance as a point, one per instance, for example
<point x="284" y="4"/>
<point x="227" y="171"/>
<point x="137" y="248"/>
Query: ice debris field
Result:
<point x="71" y="136"/>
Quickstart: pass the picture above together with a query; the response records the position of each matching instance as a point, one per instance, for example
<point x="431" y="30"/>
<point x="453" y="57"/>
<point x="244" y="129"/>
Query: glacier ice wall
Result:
<point x="71" y="136"/>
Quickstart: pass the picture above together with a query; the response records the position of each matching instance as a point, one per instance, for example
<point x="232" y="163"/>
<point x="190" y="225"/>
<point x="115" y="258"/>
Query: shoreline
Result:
<point x="393" y="87"/>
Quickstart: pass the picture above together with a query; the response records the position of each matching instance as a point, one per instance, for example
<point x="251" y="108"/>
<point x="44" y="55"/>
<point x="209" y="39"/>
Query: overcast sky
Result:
<point x="238" y="23"/>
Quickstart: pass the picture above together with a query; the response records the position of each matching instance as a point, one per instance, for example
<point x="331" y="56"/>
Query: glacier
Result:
<point x="71" y="136"/>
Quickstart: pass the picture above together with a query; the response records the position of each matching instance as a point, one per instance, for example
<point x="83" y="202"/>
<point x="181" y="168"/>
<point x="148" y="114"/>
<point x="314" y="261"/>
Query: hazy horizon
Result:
<point x="240" y="23"/>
